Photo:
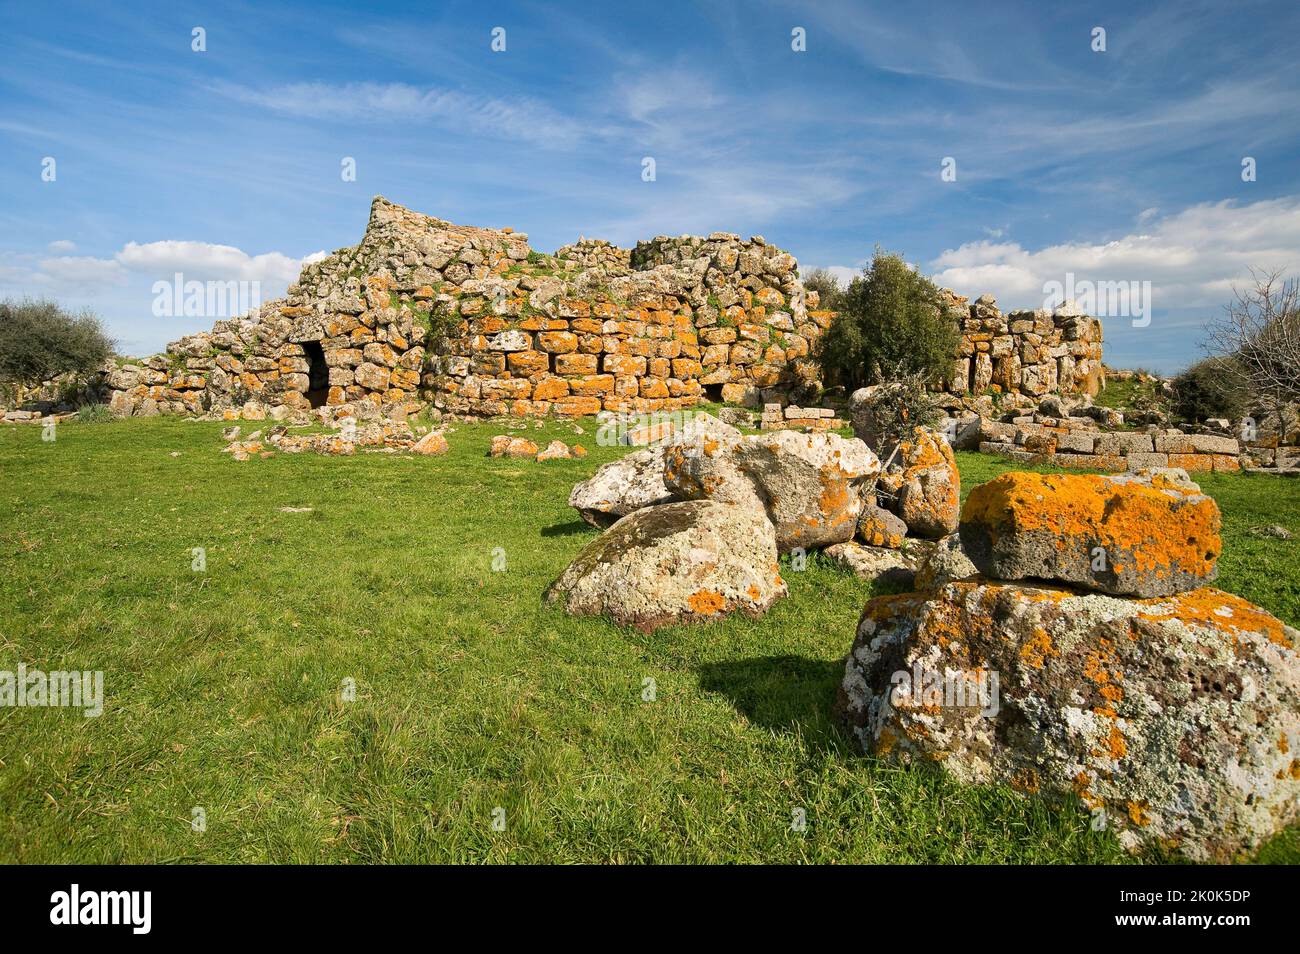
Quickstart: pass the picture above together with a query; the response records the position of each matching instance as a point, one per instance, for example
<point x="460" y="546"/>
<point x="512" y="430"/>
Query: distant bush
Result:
<point x="40" y="341"/>
<point x="827" y="287"/>
<point x="1215" y="387"/>
<point x="890" y="322"/>
<point x="94" y="414"/>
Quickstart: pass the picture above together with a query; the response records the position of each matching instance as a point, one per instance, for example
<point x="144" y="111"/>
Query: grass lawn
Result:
<point x="223" y="688"/>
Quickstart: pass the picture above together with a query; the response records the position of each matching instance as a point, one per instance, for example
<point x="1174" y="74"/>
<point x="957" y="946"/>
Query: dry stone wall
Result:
<point x="1025" y="352"/>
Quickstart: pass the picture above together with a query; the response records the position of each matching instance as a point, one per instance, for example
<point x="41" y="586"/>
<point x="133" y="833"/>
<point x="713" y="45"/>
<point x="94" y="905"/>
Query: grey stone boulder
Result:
<point x="887" y="565"/>
<point x="683" y="562"/>
<point x="809" y="485"/>
<point x="1173" y="721"/>
<point x="946" y="562"/>
<point x="637" y="480"/>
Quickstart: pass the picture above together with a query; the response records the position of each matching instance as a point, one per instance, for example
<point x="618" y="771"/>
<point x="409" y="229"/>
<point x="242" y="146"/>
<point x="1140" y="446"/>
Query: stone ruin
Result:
<point x="1031" y="353"/>
<point x="473" y="321"/>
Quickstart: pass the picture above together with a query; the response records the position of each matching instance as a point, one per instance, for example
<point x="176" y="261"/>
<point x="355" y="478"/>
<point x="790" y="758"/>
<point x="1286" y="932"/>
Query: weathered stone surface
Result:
<point x="431" y="444"/>
<point x="1176" y="720"/>
<point x="555" y="450"/>
<point x="621" y="487"/>
<point x="637" y="480"/>
<point x="503" y="445"/>
<point x="946" y="562"/>
<point x="877" y="527"/>
<point x="1126" y="537"/>
<point x="682" y="562"/>
<point x="809" y="485"/>
<point x="876" y="564"/>
<point x="922" y="485"/>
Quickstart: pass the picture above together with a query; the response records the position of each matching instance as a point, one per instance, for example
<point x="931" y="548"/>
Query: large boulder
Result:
<point x="809" y="485"/>
<point x="922" y="486"/>
<point x="637" y="480"/>
<point x="688" y="561"/>
<point x="1175" y="721"/>
<point x="621" y="487"/>
<point x="1124" y="536"/>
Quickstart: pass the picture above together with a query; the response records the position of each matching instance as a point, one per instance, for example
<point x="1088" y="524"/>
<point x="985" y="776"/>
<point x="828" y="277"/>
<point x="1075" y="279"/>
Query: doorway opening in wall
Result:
<point x="713" y="392"/>
<point x="318" y="372"/>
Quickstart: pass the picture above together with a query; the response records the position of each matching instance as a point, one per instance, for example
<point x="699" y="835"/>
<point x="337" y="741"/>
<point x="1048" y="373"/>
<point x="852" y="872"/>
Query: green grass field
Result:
<point x="224" y="688"/>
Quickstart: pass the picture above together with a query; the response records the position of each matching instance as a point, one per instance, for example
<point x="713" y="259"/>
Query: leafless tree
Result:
<point x="1260" y="330"/>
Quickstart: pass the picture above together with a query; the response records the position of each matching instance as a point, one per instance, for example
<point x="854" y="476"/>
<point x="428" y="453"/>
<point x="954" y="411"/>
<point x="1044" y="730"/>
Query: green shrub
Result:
<point x="94" y="414"/>
<point x="40" y="341"/>
<point x="1215" y="387"/>
<point x="891" y="322"/>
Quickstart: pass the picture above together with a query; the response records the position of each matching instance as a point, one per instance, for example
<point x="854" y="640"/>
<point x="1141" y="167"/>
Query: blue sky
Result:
<point x="1115" y="165"/>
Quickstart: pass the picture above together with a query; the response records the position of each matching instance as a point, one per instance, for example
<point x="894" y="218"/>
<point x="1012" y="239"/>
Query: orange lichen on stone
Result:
<point x="1026" y="781"/>
<point x="1218" y="610"/>
<point x="706" y="602"/>
<point x="886" y="743"/>
<point x="1138" y="814"/>
<point x="1158" y="527"/>
<point x="1082" y="788"/>
<point x="1037" y="648"/>
<point x="1114" y="744"/>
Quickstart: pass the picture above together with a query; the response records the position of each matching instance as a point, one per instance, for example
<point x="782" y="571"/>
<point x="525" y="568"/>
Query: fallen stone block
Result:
<point x="1115" y="535"/>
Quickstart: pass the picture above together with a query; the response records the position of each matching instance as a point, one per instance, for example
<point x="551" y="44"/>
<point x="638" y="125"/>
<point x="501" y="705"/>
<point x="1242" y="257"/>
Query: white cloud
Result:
<point x="1191" y="258"/>
<point x="204" y="260"/>
<point x="84" y="275"/>
<point x="62" y="247"/>
<point x="81" y="273"/>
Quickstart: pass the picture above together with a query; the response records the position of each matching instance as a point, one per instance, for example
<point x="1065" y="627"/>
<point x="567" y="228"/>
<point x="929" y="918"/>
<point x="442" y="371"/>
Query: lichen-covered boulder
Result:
<point x="637" y="480"/>
<point x="1174" y="720"/>
<point x="683" y="562"/>
<point x="1123" y="536"/>
<point x="809" y="485"/>
<point x="922" y="485"/>
<point x="877" y="527"/>
<point x="621" y="487"/>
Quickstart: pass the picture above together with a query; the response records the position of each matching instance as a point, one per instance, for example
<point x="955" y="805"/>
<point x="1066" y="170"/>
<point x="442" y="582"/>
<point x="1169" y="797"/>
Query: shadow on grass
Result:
<point x="788" y="694"/>
<point x="569" y="529"/>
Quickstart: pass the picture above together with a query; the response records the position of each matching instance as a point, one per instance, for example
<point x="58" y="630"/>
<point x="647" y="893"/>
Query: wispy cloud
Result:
<point x="520" y="118"/>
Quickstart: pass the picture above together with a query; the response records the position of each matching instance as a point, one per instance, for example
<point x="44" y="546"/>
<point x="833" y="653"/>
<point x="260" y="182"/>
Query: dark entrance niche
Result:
<point x="319" y="373"/>
<point x="713" y="392"/>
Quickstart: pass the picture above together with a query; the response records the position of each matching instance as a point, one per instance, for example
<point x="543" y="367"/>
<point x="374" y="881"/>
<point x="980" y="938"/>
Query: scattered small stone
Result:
<point x="431" y="444"/>
<point x="503" y="445"/>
